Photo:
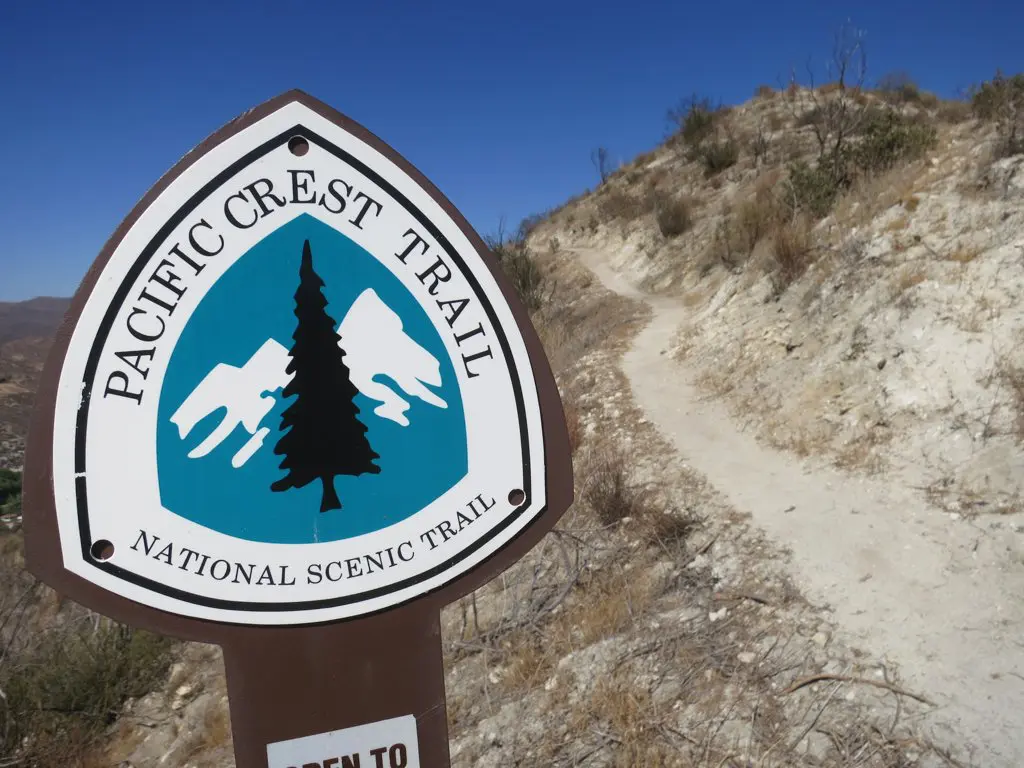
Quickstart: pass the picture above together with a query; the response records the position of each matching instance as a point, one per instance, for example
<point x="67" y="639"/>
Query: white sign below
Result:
<point x="384" y="744"/>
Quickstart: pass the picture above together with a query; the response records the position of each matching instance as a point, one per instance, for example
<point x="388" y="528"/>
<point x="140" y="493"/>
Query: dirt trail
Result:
<point x="940" y="599"/>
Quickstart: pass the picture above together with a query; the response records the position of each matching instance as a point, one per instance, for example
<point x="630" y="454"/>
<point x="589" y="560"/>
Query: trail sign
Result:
<point x="296" y="409"/>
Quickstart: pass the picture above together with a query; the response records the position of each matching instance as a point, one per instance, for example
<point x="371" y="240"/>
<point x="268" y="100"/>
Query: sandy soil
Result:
<point x="939" y="598"/>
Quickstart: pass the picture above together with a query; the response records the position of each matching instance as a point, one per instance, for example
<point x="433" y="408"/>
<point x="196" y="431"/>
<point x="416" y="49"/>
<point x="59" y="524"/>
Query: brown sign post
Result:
<point x="295" y="409"/>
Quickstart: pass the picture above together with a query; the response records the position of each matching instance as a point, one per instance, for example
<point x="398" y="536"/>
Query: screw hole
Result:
<point x="102" y="550"/>
<point x="298" y="145"/>
<point x="516" y="497"/>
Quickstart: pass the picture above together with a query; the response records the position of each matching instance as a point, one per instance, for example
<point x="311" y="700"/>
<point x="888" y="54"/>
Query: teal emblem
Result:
<point x="309" y="397"/>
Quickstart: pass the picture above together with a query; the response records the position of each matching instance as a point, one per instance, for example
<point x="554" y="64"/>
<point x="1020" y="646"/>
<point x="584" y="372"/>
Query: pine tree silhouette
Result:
<point x="325" y="438"/>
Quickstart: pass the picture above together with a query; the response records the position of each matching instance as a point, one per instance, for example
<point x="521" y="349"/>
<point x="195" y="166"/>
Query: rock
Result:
<point x="181" y="695"/>
<point x="820" y="639"/>
<point x="746" y="657"/>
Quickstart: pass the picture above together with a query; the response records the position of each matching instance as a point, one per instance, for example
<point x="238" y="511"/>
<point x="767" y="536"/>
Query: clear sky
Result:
<point x="499" y="103"/>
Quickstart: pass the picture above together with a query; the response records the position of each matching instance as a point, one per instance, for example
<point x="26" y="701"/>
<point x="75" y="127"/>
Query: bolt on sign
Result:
<point x="296" y="409"/>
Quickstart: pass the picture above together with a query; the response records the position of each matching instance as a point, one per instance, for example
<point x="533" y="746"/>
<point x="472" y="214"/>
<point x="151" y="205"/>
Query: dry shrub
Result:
<point x="900" y="88"/>
<point x="760" y="144"/>
<point x="529" y="662"/>
<point x="617" y="205"/>
<point x="753" y="220"/>
<point x="775" y="121"/>
<point x="624" y="712"/>
<point x="615" y="497"/>
<point x="764" y="92"/>
<point x="519" y="263"/>
<point x="667" y="529"/>
<point x="809" y="118"/>
<point x="953" y="112"/>
<point x="694" y="119"/>
<point x="612" y="493"/>
<point x="673" y="216"/>
<point x="718" y="155"/>
<point x="757" y="216"/>
<point x="792" y="252"/>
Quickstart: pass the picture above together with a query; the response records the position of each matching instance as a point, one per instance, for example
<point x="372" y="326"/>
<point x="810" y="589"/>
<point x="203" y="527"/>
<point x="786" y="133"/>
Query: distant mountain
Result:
<point x="34" y="318"/>
<point x="26" y="333"/>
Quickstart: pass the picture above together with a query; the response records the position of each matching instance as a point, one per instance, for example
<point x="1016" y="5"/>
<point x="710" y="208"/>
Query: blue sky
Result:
<point x="499" y="104"/>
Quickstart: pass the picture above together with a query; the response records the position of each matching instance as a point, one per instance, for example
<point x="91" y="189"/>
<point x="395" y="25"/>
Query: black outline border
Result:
<point x="103" y="330"/>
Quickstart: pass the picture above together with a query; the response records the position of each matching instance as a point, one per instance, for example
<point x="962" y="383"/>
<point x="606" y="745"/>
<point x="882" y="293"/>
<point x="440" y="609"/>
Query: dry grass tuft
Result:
<point x="862" y="451"/>
<point x="793" y="252"/>
<point x="1013" y="379"/>
<point x="964" y="254"/>
<point x="898" y="224"/>
<point x="908" y="276"/>
<point x="573" y="421"/>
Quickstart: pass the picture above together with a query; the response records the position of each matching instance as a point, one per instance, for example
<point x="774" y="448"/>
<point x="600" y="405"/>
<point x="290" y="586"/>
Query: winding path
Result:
<point x="942" y="600"/>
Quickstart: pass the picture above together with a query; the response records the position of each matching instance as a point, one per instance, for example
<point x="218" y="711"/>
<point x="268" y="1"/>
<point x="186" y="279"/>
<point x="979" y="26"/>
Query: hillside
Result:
<point x="835" y="277"/>
<point x="787" y="343"/>
<point x="34" y="318"/>
<point x="882" y="332"/>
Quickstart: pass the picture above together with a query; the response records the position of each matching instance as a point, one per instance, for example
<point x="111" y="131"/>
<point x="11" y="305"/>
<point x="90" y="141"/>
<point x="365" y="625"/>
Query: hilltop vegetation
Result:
<point x="819" y="227"/>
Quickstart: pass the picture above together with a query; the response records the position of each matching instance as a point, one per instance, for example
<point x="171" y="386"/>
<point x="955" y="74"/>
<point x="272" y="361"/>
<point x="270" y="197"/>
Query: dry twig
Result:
<point x="804" y="682"/>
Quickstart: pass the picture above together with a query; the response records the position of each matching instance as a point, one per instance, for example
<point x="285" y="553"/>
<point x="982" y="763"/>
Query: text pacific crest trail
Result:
<point x="322" y="434"/>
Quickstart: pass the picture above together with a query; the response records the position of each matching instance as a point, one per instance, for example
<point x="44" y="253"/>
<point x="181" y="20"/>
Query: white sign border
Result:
<point x="295" y="118"/>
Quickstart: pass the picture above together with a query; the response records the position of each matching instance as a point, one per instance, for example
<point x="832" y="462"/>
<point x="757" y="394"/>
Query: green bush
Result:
<point x="1001" y="100"/>
<point x="991" y="99"/>
<point x="718" y="155"/>
<point x="63" y="693"/>
<point x="888" y="139"/>
<point x="884" y="138"/>
<point x="694" y="120"/>
<point x="900" y="88"/>
<point x="11" y="506"/>
<point x="673" y="217"/>
<point x="10" y="484"/>
<point x="10" y="493"/>
<point x="518" y="263"/>
<point x="813" y="188"/>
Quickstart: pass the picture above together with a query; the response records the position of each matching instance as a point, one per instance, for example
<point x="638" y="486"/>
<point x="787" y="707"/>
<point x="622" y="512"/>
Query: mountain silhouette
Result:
<point x="374" y="344"/>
